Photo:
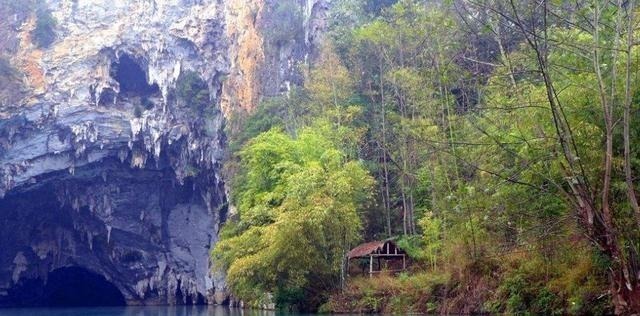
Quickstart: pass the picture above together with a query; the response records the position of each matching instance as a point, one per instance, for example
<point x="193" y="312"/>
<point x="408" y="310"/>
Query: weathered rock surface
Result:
<point x="102" y="166"/>
<point x="259" y="67"/>
<point x="91" y="176"/>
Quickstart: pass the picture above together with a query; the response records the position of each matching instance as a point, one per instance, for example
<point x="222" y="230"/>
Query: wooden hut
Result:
<point x="375" y="257"/>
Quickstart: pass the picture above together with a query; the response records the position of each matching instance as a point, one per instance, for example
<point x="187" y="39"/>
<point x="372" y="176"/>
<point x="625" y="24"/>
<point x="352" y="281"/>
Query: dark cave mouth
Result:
<point x="132" y="78"/>
<point x="92" y="268"/>
<point x="66" y="287"/>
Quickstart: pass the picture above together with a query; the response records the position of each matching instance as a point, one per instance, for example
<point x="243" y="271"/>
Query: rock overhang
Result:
<point x="133" y="191"/>
<point x="73" y="130"/>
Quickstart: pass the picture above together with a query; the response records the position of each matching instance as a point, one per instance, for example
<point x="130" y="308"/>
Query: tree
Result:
<point x="329" y="83"/>
<point x="298" y="215"/>
<point x="405" y="57"/>
<point x="588" y="42"/>
<point x="499" y="132"/>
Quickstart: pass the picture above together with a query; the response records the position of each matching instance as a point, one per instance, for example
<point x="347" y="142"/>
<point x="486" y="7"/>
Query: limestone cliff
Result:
<point x="111" y="137"/>
<point x="265" y="64"/>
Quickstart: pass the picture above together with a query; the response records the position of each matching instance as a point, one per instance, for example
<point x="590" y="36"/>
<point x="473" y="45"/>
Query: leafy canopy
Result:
<point x="298" y="207"/>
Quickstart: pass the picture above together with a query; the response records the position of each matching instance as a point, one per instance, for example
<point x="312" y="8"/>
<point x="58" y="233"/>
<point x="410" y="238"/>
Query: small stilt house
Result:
<point x="375" y="257"/>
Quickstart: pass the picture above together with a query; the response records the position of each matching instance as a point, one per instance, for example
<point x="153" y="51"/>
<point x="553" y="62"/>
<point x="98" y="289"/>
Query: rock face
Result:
<point x="264" y="64"/>
<point x="111" y="150"/>
<point x="103" y="166"/>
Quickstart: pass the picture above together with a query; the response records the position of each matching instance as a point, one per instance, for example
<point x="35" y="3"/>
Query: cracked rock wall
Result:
<point x="123" y="179"/>
<point x="258" y="68"/>
<point x="91" y="176"/>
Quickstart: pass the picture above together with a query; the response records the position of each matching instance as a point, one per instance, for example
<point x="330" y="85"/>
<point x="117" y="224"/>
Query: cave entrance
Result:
<point x="67" y="287"/>
<point x="76" y="286"/>
<point x="132" y="79"/>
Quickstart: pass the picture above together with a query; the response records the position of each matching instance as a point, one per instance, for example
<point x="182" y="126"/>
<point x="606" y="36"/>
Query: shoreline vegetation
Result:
<point x="496" y="141"/>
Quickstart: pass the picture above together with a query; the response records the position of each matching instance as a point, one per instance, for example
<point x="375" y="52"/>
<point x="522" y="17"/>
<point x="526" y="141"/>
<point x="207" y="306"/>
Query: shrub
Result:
<point x="384" y="293"/>
<point x="530" y="284"/>
<point x="193" y="91"/>
<point x="376" y="6"/>
<point x="413" y="245"/>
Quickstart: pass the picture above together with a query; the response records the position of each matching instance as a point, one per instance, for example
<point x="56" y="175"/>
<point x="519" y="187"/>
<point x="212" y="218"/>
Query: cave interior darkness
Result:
<point x="79" y="280"/>
<point x="132" y="78"/>
<point x="23" y="215"/>
<point x="67" y="287"/>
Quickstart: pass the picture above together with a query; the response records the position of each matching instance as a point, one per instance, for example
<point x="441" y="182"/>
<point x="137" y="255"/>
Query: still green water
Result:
<point x="140" y="311"/>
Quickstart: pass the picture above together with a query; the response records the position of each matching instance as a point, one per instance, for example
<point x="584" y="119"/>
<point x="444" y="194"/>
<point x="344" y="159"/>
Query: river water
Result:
<point x="141" y="311"/>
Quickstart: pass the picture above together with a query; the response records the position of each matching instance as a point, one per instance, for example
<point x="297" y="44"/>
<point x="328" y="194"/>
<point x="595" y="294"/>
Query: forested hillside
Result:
<point x="497" y="141"/>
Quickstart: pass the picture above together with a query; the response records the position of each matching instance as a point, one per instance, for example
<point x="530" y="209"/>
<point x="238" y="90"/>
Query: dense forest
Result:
<point x="496" y="141"/>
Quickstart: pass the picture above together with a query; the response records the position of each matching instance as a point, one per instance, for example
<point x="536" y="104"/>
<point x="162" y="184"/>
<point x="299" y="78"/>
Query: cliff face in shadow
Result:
<point x="112" y="138"/>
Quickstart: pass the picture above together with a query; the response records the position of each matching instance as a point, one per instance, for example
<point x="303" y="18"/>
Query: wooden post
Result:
<point x="404" y="263"/>
<point x="348" y="263"/>
<point x="370" y="265"/>
<point x="343" y="265"/>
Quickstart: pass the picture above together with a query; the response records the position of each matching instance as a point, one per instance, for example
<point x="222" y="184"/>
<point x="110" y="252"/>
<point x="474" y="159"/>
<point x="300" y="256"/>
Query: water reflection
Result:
<point x="141" y="311"/>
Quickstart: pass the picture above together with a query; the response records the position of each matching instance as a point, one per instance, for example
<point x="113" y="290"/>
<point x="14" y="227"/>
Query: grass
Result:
<point x="385" y="293"/>
<point x="565" y="281"/>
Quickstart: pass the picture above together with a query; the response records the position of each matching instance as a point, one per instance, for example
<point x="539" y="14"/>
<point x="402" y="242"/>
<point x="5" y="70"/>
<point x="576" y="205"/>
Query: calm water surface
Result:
<point x="141" y="311"/>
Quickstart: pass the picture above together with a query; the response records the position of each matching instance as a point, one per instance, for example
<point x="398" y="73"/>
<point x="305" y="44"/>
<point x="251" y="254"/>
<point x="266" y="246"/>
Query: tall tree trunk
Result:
<point x="597" y="223"/>
<point x="385" y="163"/>
<point x="404" y="212"/>
<point x="627" y="110"/>
<point x="608" y="125"/>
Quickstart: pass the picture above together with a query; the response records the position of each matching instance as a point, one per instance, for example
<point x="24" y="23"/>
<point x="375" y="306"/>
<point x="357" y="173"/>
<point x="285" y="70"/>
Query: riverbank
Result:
<point x="515" y="283"/>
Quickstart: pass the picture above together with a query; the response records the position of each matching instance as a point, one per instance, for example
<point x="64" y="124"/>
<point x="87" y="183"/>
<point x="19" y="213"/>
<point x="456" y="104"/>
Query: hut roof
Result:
<point x="369" y="248"/>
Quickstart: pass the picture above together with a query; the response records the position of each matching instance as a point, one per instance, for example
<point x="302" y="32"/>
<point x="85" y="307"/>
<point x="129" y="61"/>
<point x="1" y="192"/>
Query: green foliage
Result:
<point x="287" y="113"/>
<point x="457" y="129"/>
<point x="298" y="206"/>
<point x="390" y="295"/>
<point x="531" y="286"/>
<point x="432" y="238"/>
<point x="44" y="32"/>
<point x="193" y="91"/>
<point x="413" y="245"/>
<point x="330" y="85"/>
<point x="375" y="7"/>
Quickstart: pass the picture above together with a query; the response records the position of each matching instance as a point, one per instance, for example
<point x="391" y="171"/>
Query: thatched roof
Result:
<point x="374" y="247"/>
